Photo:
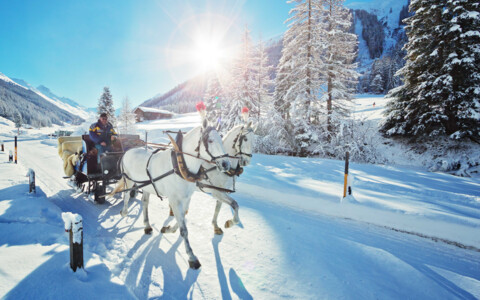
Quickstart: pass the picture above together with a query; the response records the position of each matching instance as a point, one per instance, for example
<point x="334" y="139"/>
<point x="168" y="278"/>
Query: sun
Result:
<point x="202" y="43"/>
<point x="208" y="53"/>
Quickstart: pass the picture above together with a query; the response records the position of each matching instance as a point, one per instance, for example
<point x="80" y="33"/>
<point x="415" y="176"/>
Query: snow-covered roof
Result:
<point x="154" y="110"/>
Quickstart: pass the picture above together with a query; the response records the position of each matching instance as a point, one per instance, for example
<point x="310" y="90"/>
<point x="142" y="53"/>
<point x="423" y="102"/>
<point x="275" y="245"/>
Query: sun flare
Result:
<point x="209" y="54"/>
<point x="203" y="43"/>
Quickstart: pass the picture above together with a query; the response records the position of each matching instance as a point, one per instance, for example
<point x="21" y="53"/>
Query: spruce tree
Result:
<point x="299" y="69"/>
<point x="18" y="121"/>
<point x="338" y="65"/>
<point x="105" y="105"/>
<point x="441" y="77"/>
<point x="214" y="95"/>
<point x="126" y="119"/>
<point x="459" y="82"/>
<point x="409" y="113"/>
<point x="263" y="83"/>
<point x="242" y="91"/>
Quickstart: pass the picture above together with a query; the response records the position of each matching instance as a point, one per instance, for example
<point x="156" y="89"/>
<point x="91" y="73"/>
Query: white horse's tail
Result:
<point x="118" y="188"/>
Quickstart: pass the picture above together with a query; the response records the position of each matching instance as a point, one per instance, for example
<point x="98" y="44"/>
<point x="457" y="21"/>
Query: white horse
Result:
<point x="141" y="165"/>
<point x="238" y="144"/>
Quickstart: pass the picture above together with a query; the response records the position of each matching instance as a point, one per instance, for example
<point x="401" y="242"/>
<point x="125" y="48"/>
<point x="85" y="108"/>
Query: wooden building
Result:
<point x="149" y="113"/>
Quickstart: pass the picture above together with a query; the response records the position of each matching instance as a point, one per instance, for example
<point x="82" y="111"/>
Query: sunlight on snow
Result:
<point x="467" y="283"/>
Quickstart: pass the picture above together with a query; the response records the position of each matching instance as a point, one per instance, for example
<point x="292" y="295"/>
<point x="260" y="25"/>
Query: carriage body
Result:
<point x="92" y="176"/>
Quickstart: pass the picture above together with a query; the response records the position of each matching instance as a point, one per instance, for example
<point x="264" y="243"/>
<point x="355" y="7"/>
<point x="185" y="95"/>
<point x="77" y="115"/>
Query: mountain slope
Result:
<point x="35" y="108"/>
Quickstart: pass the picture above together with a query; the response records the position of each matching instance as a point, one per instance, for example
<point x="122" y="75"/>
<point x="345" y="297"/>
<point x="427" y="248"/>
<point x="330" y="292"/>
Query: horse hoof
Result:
<point x="148" y="230"/>
<point x="228" y="224"/>
<point x="165" y="229"/>
<point x="194" y="264"/>
<point x="123" y="214"/>
<point x="218" y="231"/>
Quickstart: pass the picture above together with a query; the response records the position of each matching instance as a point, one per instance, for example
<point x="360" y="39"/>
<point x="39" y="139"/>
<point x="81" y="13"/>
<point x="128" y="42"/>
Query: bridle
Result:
<point x="240" y="138"/>
<point x="204" y="138"/>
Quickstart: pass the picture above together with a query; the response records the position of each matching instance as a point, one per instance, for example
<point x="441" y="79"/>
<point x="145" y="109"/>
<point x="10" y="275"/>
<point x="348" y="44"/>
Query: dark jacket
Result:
<point x="99" y="133"/>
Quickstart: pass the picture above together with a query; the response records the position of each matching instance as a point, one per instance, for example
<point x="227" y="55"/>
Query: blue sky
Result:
<point x="137" y="48"/>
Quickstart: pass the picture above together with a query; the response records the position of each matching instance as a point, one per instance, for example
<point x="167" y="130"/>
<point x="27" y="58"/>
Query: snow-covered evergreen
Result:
<point x="261" y="73"/>
<point x="18" y="120"/>
<point x="315" y="77"/>
<point x="338" y="62"/>
<point x="242" y="91"/>
<point x="298" y="82"/>
<point x="440" y="95"/>
<point x="213" y="98"/>
<point x="126" y="119"/>
<point x="105" y="105"/>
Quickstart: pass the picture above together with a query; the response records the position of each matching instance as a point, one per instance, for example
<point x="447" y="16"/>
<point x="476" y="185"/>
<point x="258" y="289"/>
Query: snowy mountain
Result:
<point x="182" y="98"/>
<point x="62" y="102"/>
<point x="35" y="108"/>
<point x="381" y="36"/>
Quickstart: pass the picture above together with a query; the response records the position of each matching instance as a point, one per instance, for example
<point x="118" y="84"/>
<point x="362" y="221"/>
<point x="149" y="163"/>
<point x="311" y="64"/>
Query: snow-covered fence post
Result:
<point x="74" y="226"/>
<point x="31" y="181"/>
<point x="15" y="149"/>
<point x="10" y="156"/>
<point x="347" y="155"/>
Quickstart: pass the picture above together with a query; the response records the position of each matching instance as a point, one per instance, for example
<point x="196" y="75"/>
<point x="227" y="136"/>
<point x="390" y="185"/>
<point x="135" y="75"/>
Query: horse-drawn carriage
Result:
<point x="93" y="177"/>
<point x="200" y="159"/>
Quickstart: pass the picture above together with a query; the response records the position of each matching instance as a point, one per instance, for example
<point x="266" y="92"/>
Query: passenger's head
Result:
<point x="103" y="118"/>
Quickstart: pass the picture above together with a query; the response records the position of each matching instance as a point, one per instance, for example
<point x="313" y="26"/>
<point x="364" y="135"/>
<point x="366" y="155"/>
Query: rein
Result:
<point x="179" y="165"/>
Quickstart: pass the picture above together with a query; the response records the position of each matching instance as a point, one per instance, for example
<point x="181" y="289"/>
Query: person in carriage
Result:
<point x="102" y="134"/>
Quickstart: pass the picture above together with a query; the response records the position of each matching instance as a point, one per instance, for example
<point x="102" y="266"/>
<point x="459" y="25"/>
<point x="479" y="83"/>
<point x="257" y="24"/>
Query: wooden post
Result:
<point x="346" y="176"/>
<point x="3" y="149"/>
<point x="146" y="141"/>
<point x="15" y="149"/>
<point x="31" y="181"/>
<point x="10" y="156"/>
<point x="74" y="226"/>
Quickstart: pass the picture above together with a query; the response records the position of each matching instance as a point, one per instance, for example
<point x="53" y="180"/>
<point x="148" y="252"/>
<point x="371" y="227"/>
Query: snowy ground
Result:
<point x="404" y="233"/>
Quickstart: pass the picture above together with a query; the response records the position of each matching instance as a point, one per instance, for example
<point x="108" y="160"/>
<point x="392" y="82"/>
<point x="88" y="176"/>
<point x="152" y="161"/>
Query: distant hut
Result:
<point x="148" y="113"/>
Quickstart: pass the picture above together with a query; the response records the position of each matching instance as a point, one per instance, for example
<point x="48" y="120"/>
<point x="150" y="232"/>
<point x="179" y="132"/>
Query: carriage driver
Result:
<point x="102" y="134"/>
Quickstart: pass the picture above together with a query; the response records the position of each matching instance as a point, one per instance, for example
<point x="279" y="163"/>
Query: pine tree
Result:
<point x="126" y="119"/>
<point x="283" y="82"/>
<point x="377" y="84"/>
<point x="214" y="95"/>
<point x="410" y="111"/>
<point x="18" y="121"/>
<point x="105" y="105"/>
<point x="441" y="76"/>
<point x="261" y="74"/>
<point x="338" y="63"/>
<point x="242" y="92"/>
<point x="299" y="82"/>
<point x="459" y="82"/>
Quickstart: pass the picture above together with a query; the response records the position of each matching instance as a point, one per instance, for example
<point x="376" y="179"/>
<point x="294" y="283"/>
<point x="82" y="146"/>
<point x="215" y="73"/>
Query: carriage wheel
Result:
<point x="100" y="191"/>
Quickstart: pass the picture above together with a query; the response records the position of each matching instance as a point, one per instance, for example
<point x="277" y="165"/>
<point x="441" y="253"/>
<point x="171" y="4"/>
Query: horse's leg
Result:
<point x="216" y="229"/>
<point x="170" y="229"/>
<point x="171" y="211"/>
<point x="233" y="204"/>
<point x="179" y="215"/>
<point x="126" y="198"/>
<point x="145" y="201"/>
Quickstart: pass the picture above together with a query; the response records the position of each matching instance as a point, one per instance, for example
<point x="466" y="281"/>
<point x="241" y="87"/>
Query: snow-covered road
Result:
<point x="279" y="250"/>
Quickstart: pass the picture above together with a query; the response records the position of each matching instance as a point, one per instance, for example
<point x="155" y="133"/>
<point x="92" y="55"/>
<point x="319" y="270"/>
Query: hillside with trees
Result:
<point x="33" y="109"/>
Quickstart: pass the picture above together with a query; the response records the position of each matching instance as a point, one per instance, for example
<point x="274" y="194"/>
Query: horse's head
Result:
<point x="213" y="147"/>
<point x="243" y="144"/>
